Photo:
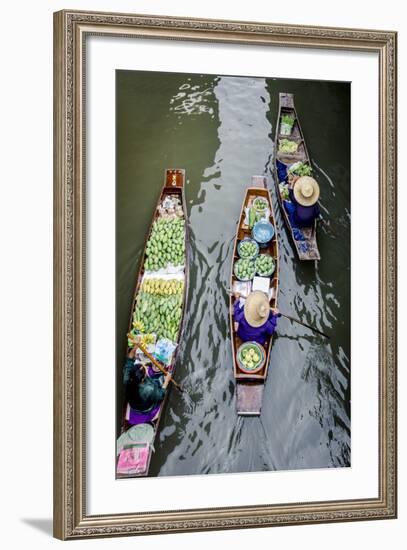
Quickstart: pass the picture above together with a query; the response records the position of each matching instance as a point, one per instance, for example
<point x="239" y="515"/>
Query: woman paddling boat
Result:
<point x="302" y="207"/>
<point x="254" y="290"/>
<point x="254" y="320"/>
<point x="144" y="388"/>
<point x="297" y="191"/>
<point x="155" y="329"/>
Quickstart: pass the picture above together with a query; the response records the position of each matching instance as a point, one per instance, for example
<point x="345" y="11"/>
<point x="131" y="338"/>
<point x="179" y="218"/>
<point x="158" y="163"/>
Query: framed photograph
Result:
<point x="225" y="274"/>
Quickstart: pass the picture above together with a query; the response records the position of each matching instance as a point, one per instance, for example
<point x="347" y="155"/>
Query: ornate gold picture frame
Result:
<point x="71" y="29"/>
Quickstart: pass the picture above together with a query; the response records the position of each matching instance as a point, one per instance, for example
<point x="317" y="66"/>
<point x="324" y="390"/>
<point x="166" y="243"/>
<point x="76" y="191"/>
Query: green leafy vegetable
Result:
<point x="288" y="120"/>
<point x="301" y="169"/>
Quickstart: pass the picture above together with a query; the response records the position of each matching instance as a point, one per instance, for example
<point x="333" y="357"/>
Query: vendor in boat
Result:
<point x="255" y="320"/>
<point x="304" y="194"/>
<point x="143" y="393"/>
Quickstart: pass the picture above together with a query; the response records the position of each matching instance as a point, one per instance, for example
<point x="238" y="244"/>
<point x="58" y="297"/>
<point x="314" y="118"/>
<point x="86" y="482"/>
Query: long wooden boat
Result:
<point x="249" y="387"/>
<point x="173" y="188"/>
<point x="307" y="247"/>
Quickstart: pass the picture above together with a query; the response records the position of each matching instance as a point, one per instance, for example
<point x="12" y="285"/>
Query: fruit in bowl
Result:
<point x="248" y="248"/>
<point x="264" y="265"/>
<point x="260" y="204"/>
<point x="244" y="269"/>
<point x="251" y="357"/>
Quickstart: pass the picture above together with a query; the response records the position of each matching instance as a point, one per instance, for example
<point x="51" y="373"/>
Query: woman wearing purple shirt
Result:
<point x="304" y="208"/>
<point x="254" y="321"/>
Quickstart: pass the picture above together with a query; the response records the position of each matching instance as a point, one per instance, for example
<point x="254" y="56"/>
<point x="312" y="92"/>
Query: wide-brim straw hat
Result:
<point x="306" y="191"/>
<point x="257" y="308"/>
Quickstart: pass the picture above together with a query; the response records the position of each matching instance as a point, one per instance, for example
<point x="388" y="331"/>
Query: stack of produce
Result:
<point x="244" y="269"/>
<point x="171" y="205"/>
<point x="166" y="244"/>
<point x="159" y="307"/>
<point x="250" y="358"/>
<point x="265" y="265"/>
<point x="162" y="287"/>
<point x="284" y="193"/>
<point x="287" y="146"/>
<point x="286" y="126"/>
<point x="139" y="330"/>
<point x="248" y="248"/>
<point x="260" y="204"/>
<point x="257" y="211"/>
<point x="300" y="169"/>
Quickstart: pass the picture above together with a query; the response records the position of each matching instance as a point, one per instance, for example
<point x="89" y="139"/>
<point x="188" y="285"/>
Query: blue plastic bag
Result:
<point x="164" y="349"/>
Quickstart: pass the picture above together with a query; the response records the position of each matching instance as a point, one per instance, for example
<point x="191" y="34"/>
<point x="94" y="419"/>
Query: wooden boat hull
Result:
<point x="249" y="387"/>
<point x="309" y="250"/>
<point x="173" y="184"/>
<point x="249" y="398"/>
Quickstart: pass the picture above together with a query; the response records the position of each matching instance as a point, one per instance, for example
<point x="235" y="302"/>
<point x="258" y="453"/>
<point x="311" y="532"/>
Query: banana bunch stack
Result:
<point x="138" y="330"/>
<point x="162" y="287"/>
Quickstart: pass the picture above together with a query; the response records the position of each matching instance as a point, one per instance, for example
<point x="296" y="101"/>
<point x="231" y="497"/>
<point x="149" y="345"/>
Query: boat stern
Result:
<point x="134" y="461"/>
<point x="249" y="397"/>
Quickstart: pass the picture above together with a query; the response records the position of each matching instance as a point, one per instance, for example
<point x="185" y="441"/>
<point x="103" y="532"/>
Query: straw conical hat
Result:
<point x="306" y="191"/>
<point x="257" y="308"/>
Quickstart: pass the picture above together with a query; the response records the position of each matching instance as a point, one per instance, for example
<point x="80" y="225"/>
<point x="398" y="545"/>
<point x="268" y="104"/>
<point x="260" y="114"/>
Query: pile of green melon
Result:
<point x="166" y="244"/>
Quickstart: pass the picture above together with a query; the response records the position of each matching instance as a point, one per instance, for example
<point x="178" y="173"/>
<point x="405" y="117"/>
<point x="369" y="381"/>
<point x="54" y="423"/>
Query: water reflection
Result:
<point x="192" y="100"/>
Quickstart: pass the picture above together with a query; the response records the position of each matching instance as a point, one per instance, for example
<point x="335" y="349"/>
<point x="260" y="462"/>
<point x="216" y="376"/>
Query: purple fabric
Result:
<point x="138" y="417"/>
<point x="152" y="373"/>
<point x="247" y="333"/>
<point x="303" y="216"/>
<point x="281" y="171"/>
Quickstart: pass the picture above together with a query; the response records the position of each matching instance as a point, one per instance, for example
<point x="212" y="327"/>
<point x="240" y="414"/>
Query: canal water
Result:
<point x="221" y="130"/>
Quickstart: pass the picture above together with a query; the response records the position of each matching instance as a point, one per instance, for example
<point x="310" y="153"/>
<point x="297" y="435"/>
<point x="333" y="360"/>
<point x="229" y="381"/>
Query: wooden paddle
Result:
<point x="157" y="364"/>
<point x="295" y="320"/>
<point x="304" y="324"/>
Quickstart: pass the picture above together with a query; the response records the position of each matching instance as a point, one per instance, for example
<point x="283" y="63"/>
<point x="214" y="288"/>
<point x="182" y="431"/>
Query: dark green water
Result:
<point x="221" y="130"/>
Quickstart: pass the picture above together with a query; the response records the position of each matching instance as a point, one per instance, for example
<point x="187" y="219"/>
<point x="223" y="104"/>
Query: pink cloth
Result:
<point x="133" y="460"/>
